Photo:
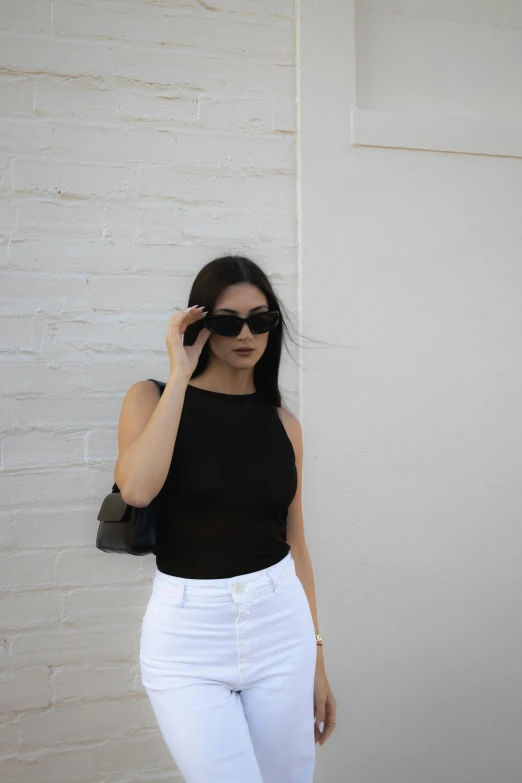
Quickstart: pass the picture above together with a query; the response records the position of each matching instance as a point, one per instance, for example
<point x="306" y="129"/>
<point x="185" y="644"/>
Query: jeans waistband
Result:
<point x="236" y="588"/>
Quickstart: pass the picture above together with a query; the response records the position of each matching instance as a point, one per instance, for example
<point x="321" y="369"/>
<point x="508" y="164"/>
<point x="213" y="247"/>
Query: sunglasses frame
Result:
<point x="241" y="321"/>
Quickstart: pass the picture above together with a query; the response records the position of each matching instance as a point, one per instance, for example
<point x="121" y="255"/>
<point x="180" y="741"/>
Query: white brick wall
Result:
<point x="139" y="140"/>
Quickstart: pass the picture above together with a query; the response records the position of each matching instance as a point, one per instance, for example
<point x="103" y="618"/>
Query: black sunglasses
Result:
<point x="231" y="325"/>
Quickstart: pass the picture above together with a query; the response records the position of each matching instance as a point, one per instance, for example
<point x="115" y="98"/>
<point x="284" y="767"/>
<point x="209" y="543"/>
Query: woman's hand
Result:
<point x="325" y="706"/>
<point x="184" y="358"/>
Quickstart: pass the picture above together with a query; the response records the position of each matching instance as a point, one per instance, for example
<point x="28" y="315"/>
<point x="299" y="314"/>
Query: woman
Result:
<point x="230" y="653"/>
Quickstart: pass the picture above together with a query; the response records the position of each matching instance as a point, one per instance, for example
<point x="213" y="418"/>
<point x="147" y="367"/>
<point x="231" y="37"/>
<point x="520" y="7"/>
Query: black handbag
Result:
<point x="124" y="528"/>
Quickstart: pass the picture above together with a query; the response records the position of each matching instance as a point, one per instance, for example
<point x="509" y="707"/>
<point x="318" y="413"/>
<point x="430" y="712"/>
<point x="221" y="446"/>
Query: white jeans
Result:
<point x="229" y="667"/>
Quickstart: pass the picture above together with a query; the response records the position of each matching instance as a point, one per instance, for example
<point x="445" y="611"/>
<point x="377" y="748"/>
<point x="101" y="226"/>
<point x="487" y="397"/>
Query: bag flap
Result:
<point x="113" y="508"/>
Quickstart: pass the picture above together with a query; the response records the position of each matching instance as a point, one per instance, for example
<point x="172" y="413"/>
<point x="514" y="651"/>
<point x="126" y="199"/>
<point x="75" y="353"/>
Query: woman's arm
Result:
<point x="147" y="433"/>
<point x="295" y="533"/>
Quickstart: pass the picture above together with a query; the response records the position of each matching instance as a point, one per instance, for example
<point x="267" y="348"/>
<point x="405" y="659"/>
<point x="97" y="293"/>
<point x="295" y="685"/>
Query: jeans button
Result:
<point x="238" y="587"/>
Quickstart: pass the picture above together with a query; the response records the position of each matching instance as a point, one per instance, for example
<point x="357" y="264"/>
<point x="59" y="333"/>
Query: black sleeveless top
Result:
<point x="223" y="508"/>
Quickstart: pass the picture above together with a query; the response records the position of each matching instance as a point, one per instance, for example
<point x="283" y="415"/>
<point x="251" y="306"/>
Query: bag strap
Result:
<point x="161" y="387"/>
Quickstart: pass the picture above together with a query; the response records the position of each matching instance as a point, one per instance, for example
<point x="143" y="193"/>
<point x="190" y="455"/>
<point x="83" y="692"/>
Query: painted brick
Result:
<point x="52" y="766"/>
<point x="65" y="178"/>
<point x="91" y="682"/>
<point x="24" y="329"/>
<point x="126" y="604"/>
<point x="8" y="536"/>
<point x="27" y="569"/>
<point x="24" y="690"/>
<point x="211" y="72"/>
<point x="83" y="99"/>
<point x="102" y="444"/>
<point x="58" y="643"/>
<point x="142" y="756"/>
<point x="77" y="337"/>
<point x="276" y="42"/>
<point x="79" y="722"/>
<point x="70" y="485"/>
<point x="279" y="226"/>
<point x="9" y="738"/>
<point x="53" y="528"/>
<point x="17" y="94"/>
<point x="252" y="114"/>
<point x="142" y="294"/>
<point x="258" y="153"/>
<point x="45" y="291"/>
<point x="28" y="134"/>
<point x="28" y="608"/>
<point x="42" y="449"/>
<point x="80" y="143"/>
<point x="140" y="141"/>
<point x="5" y="178"/>
<point x="209" y="185"/>
<point x="76" y="255"/>
<point x="167" y="26"/>
<point x="123" y="21"/>
<point x="54" y="57"/>
<point x="279" y="9"/>
<point x="10" y="411"/>
<point x="8" y="214"/>
<point x="37" y="218"/>
<point x="284" y="114"/>
<point x="152" y="105"/>
<point x="25" y="15"/>
<point x="94" y="567"/>
<point x="22" y="377"/>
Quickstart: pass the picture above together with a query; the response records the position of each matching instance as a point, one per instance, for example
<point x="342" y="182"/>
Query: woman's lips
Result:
<point x="244" y="351"/>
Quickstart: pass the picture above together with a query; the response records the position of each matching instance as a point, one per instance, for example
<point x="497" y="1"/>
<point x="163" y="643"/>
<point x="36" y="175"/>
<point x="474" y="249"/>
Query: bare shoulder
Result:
<point x="141" y="394"/>
<point x="138" y="406"/>
<point x="293" y="429"/>
<point x="148" y="388"/>
<point x="288" y="418"/>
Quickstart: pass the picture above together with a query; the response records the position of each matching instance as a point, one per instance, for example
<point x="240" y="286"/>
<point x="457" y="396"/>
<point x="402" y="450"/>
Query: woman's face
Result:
<point x="241" y="299"/>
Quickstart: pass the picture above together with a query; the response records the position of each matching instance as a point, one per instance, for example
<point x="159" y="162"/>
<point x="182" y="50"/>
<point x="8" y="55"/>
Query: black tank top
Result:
<point x="223" y="508"/>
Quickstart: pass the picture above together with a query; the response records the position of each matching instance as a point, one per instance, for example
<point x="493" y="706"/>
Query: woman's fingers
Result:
<point x="188" y="315"/>
<point x="183" y="318"/>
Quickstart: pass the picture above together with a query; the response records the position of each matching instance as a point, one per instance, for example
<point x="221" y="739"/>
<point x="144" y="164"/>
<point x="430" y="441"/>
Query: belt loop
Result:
<point x="275" y="583"/>
<point x="179" y="599"/>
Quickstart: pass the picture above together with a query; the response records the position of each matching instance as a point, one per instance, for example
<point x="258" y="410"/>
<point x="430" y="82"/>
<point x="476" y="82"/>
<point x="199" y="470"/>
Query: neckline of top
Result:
<point x="224" y="395"/>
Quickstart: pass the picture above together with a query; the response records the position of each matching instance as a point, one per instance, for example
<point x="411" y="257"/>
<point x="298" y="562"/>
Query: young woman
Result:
<point x="230" y="654"/>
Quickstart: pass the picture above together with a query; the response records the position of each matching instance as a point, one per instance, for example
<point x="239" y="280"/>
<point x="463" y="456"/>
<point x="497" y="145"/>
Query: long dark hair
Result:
<point x="210" y="281"/>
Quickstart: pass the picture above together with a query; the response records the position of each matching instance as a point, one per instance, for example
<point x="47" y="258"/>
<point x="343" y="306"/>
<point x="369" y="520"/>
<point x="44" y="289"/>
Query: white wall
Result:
<point x="140" y="140"/>
<point x="411" y="264"/>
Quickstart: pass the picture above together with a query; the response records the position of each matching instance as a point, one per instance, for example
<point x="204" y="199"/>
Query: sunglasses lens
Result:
<point x="225" y="325"/>
<point x="230" y="325"/>
<point x="264" y="322"/>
